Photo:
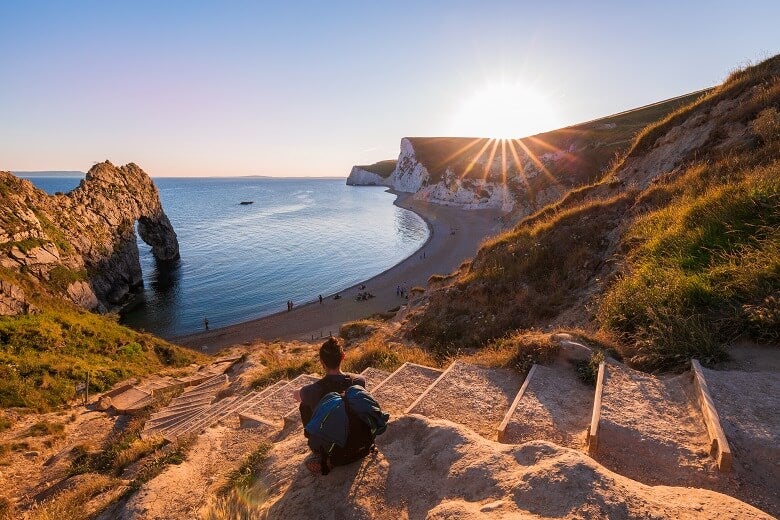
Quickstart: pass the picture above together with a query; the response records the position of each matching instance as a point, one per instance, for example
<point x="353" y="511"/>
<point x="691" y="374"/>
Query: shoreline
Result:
<point x="454" y="234"/>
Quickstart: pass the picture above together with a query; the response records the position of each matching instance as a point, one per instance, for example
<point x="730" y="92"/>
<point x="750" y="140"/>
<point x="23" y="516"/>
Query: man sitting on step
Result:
<point x="331" y="356"/>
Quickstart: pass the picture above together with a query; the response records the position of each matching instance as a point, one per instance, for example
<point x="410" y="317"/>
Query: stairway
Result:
<point x="474" y="396"/>
<point x="648" y="428"/>
<point x="181" y="409"/>
<point x="402" y="388"/>
<point x="554" y="405"/>
<point x="651" y="429"/>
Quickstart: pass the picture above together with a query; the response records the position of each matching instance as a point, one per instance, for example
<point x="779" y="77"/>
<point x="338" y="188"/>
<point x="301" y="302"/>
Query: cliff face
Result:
<point x="359" y="176"/>
<point x="80" y="245"/>
<point x="377" y="174"/>
<point x="515" y="175"/>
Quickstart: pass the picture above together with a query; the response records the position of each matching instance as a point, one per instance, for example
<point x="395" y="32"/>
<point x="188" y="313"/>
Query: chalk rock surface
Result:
<point x="80" y="245"/>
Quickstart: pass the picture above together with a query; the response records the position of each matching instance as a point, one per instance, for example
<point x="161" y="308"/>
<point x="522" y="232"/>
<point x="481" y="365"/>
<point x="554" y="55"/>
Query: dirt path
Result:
<point x="474" y="396"/>
<point x="455" y="235"/>
<point x="435" y="469"/>
<point x="748" y="404"/>
<point x="651" y="429"/>
<point x="556" y="407"/>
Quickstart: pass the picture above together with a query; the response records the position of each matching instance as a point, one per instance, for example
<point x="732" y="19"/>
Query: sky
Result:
<point x="195" y="88"/>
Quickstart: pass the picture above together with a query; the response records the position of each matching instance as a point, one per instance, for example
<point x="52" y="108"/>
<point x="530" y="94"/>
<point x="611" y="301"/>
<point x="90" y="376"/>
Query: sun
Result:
<point x="505" y="110"/>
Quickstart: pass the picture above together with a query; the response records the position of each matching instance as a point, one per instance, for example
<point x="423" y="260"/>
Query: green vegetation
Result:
<point x="60" y="277"/>
<point x="673" y="271"/>
<point x="122" y="447"/>
<point x="244" y="477"/>
<point x="381" y="168"/>
<point x="43" y="356"/>
<point x="55" y="235"/>
<point x="588" y="369"/>
<point x="702" y="270"/>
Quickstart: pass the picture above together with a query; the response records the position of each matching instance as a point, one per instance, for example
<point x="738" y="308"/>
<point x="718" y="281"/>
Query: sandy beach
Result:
<point x="454" y="235"/>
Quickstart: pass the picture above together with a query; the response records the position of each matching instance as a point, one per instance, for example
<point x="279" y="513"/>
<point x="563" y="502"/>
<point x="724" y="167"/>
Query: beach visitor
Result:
<point x="360" y="440"/>
<point x="320" y="298"/>
<point x="206" y="322"/>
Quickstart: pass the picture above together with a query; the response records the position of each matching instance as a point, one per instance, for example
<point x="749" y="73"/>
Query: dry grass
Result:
<point x="44" y="428"/>
<point x="138" y="449"/>
<point x="518" y="350"/>
<point x="73" y="504"/>
<point x="280" y="367"/>
<point x="521" y="279"/>
<point x="243" y="492"/>
<point x="377" y="352"/>
<point x="359" y="329"/>
<point x="7" y="509"/>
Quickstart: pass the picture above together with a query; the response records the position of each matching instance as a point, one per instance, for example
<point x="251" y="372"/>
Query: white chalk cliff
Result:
<point x="359" y="176"/>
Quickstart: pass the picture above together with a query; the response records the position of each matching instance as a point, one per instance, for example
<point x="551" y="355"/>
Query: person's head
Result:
<point x="332" y="353"/>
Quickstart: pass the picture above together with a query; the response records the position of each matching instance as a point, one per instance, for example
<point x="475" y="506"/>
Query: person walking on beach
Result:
<point x="206" y="322"/>
<point x="320" y="299"/>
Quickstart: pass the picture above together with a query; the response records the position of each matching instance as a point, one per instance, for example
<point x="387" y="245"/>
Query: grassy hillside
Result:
<point x="674" y="269"/>
<point x="44" y="355"/>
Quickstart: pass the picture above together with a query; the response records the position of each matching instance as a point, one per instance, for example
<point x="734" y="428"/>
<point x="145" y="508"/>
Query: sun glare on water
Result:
<point x="505" y="110"/>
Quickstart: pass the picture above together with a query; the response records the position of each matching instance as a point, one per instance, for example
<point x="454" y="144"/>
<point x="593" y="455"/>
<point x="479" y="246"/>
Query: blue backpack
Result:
<point x="344" y="426"/>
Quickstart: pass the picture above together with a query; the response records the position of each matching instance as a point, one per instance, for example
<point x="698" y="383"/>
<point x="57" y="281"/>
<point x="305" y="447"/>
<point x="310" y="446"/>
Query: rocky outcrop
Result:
<point x="82" y="244"/>
<point x="360" y="177"/>
<point x="377" y="174"/>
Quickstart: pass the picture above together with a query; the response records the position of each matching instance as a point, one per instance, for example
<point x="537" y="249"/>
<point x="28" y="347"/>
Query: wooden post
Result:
<point x="86" y="391"/>
<point x="515" y="403"/>
<point x="719" y="446"/>
<point x="593" y="430"/>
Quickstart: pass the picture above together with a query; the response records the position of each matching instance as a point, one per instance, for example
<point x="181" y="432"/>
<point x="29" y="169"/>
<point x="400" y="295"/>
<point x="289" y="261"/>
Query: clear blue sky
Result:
<point x="299" y="88"/>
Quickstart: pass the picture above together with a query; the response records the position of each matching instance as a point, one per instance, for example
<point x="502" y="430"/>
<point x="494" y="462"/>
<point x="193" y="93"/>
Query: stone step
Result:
<point x="154" y="421"/>
<point x="474" y="396"/>
<point x="402" y="388"/>
<point x="219" y="411"/>
<point x="182" y="407"/>
<point x="130" y="400"/>
<point x="168" y="424"/>
<point x="208" y="385"/>
<point x="651" y="429"/>
<point x="553" y="405"/>
<point x="276" y="406"/>
<point x="374" y="377"/>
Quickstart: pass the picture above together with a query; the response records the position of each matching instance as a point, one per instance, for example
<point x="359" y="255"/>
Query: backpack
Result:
<point x="344" y="426"/>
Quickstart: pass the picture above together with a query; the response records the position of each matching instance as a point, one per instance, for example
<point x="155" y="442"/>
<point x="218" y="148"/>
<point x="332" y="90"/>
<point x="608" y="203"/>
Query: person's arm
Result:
<point x="297" y="395"/>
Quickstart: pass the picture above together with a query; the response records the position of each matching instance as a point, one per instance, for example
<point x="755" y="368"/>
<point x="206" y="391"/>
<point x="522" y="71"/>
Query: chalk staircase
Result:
<point x="471" y="395"/>
<point x="549" y="403"/>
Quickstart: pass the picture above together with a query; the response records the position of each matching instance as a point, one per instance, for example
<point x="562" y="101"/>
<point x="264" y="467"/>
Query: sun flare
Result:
<point x="505" y="110"/>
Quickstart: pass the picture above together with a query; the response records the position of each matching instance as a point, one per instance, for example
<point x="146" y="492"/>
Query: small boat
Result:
<point x="247" y="202"/>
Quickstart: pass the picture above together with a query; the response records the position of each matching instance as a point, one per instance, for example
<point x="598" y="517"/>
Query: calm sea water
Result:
<point x="300" y="238"/>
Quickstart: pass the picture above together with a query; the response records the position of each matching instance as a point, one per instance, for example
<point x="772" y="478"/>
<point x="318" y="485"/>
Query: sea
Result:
<point x="298" y="239"/>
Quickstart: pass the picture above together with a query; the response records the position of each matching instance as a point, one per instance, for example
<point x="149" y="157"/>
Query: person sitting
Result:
<point x="331" y="355"/>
